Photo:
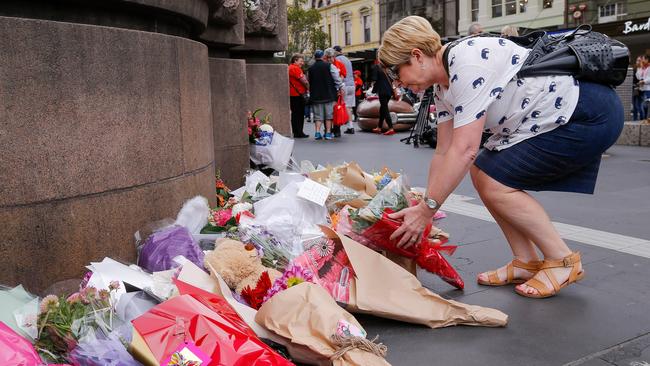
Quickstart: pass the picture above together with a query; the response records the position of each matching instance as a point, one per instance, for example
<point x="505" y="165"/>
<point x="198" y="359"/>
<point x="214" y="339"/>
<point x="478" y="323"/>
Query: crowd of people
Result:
<point x="330" y="77"/>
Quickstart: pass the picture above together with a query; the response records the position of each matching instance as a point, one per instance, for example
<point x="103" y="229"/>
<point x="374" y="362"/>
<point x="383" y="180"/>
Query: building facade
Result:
<point x="525" y="14"/>
<point x="442" y="14"/>
<point x="625" y="20"/>
<point x="351" y="24"/>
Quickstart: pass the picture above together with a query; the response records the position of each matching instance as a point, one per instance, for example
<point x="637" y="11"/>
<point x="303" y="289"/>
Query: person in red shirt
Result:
<point x="339" y="65"/>
<point x="358" y="91"/>
<point x="298" y="87"/>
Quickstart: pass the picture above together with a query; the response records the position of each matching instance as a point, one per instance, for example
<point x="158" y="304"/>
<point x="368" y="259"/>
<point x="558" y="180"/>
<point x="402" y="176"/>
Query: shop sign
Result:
<point x="631" y="27"/>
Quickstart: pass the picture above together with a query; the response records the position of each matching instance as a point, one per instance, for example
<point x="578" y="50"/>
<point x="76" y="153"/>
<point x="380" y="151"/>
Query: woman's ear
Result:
<point x="418" y="55"/>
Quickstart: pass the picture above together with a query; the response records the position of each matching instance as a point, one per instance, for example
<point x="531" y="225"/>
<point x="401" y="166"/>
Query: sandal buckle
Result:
<point x="567" y="261"/>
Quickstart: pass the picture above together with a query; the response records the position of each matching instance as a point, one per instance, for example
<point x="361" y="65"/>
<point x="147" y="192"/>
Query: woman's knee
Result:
<point x="489" y="189"/>
<point x="473" y="173"/>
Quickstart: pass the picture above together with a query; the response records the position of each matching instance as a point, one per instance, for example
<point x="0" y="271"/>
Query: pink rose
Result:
<point x="221" y="217"/>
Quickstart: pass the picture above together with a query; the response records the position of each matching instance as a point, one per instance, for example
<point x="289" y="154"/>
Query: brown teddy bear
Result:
<point x="238" y="264"/>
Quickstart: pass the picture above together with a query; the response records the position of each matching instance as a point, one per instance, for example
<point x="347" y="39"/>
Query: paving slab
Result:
<point x="603" y="320"/>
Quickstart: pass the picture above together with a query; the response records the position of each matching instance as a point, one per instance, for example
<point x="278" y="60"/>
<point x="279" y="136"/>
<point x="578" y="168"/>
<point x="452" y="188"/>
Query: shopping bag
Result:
<point x="340" y="114"/>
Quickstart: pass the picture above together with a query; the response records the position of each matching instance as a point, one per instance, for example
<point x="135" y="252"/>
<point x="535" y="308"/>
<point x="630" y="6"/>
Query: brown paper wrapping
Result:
<point x="140" y="351"/>
<point x="352" y="176"/>
<point x="406" y="263"/>
<point x="383" y="288"/>
<point x="307" y="315"/>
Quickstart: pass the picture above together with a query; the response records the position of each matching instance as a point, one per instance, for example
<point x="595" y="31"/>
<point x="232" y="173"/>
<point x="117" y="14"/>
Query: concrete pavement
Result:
<point x="603" y="320"/>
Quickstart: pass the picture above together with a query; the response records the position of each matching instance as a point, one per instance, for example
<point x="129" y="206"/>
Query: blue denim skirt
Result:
<point x="567" y="158"/>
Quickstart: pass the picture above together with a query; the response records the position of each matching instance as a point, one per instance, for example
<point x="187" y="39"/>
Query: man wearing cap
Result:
<point x="324" y="86"/>
<point x="348" y="80"/>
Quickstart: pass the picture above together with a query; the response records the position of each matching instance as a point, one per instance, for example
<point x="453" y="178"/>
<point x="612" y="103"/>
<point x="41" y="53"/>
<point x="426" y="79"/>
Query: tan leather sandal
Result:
<point x="494" y="280"/>
<point x="570" y="261"/>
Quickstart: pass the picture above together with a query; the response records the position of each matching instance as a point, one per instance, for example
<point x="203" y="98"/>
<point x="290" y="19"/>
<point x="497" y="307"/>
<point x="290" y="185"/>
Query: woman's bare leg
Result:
<point x="527" y="216"/>
<point x="522" y="247"/>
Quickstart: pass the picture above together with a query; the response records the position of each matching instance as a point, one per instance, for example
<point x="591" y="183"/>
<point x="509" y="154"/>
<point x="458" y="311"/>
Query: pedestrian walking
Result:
<point x="298" y="87"/>
<point x="325" y="85"/>
<point x="331" y="54"/>
<point x="385" y="91"/>
<point x="348" y="81"/>
<point x="548" y="135"/>
<point x="358" y="92"/>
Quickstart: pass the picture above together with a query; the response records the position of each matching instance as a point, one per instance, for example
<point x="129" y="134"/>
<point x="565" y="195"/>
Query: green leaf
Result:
<point x="211" y="229"/>
<point x="257" y="111"/>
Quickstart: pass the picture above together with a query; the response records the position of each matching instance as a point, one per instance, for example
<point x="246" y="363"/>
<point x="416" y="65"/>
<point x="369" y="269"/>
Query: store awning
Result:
<point x="363" y="56"/>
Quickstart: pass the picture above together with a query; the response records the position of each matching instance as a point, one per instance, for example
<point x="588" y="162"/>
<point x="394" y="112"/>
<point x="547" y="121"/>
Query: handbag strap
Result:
<point x="294" y="87"/>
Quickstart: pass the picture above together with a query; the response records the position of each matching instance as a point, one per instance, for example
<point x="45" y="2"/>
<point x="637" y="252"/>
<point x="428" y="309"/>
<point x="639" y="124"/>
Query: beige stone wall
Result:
<point x="102" y="130"/>
<point x="229" y="106"/>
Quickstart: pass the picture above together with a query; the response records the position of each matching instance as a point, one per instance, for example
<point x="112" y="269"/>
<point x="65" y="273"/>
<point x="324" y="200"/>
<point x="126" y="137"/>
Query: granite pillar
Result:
<point x="268" y="88"/>
<point x="229" y="106"/>
<point x="103" y="130"/>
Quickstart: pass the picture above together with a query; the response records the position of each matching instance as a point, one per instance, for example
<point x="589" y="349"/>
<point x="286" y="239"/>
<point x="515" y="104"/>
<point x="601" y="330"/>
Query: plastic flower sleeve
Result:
<point x="339" y="196"/>
<point x="133" y="304"/>
<point x="16" y="350"/>
<point x="394" y="196"/>
<point x="204" y="320"/>
<point x="287" y="217"/>
<point x="275" y="155"/>
<point x="345" y="227"/>
<point x="97" y="349"/>
<point x="275" y="253"/>
<point x="160" y="248"/>
<point x="19" y="310"/>
<point x="426" y="254"/>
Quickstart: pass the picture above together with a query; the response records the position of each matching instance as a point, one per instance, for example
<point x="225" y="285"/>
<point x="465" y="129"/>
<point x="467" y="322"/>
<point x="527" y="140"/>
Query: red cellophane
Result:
<point x="207" y="320"/>
<point x="426" y="254"/>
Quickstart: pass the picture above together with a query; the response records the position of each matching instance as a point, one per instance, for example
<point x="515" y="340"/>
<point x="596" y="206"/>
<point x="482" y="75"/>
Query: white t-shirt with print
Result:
<point x="482" y="80"/>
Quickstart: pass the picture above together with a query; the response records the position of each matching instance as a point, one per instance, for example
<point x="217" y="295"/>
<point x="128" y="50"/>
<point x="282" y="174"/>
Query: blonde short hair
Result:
<point x="510" y="31"/>
<point x="402" y="37"/>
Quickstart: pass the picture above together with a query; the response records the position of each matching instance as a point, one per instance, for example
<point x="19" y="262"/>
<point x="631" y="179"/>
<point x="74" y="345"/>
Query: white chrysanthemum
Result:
<point x="241" y="207"/>
<point x="266" y="128"/>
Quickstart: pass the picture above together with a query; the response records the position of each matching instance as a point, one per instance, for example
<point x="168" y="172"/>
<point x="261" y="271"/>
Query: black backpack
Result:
<point x="583" y="53"/>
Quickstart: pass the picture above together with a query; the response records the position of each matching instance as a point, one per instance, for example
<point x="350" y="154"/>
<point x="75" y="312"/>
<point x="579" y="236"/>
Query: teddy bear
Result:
<point x="238" y="264"/>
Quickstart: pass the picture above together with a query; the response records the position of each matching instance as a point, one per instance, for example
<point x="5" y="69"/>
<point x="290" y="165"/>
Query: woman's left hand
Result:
<point x="415" y="219"/>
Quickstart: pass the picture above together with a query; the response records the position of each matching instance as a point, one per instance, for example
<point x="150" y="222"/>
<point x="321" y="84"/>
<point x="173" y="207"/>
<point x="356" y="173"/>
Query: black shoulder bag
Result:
<point x="583" y="53"/>
<point x="305" y="95"/>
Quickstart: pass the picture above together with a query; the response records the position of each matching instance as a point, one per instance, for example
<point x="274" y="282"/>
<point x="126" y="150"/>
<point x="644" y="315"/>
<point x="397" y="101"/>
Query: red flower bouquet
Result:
<point x="426" y="254"/>
<point x="255" y="296"/>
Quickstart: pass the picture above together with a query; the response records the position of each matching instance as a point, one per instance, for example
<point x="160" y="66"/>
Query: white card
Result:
<point x="314" y="192"/>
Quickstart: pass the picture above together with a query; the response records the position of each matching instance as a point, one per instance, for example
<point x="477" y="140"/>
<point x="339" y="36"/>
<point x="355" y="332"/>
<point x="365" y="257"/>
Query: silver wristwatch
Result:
<point x="431" y="203"/>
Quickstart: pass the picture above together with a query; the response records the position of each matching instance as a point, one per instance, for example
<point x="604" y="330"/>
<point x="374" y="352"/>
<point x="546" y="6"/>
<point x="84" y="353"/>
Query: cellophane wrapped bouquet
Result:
<point x="372" y="226"/>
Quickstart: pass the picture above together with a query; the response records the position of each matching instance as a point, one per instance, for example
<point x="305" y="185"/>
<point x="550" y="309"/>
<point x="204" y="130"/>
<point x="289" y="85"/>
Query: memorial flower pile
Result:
<point x="312" y="241"/>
